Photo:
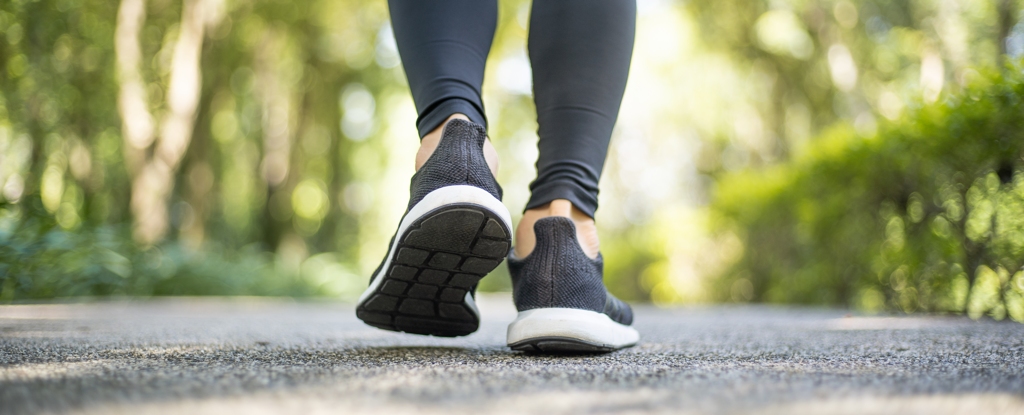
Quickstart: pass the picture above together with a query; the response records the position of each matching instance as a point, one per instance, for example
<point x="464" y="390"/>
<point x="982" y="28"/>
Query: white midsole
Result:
<point x="448" y="195"/>
<point x="584" y="325"/>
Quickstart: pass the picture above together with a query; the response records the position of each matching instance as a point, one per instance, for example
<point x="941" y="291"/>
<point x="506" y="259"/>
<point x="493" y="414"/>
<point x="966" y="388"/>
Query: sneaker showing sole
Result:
<point x="568" y="330"/>
<point x="446" y="243"/>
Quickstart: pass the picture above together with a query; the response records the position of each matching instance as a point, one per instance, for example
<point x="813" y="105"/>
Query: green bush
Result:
<point x="927" y="214"/>
<point x="39" y="259"/>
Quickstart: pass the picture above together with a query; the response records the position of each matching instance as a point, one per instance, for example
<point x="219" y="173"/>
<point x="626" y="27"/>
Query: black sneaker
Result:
<point x="454" y="232"/>
<point x="562" y="301"/>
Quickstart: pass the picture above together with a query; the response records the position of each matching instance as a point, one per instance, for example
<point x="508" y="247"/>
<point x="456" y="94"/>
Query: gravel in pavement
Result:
<point x="244" y="355"/>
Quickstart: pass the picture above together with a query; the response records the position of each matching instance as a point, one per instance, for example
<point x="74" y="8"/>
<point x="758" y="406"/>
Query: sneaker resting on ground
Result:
<point x="562" y="301"/>
<point x="454" y="232"/>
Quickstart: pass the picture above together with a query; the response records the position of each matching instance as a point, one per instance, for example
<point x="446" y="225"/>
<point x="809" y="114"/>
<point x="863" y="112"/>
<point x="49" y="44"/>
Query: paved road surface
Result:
<point x="214" y="356"/>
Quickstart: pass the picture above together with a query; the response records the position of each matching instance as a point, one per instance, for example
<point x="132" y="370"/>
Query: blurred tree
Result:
<point x="1008" y="10"/>
<point x="153" y="169"/>
<point x="823" y="61"/>
<point x="926" y="215"/>
<point x="218" y="121"/>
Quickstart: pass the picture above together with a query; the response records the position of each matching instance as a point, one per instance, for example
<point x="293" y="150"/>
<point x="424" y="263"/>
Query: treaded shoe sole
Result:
<point x="439" y="256"/>
<point x="568" y="330"/>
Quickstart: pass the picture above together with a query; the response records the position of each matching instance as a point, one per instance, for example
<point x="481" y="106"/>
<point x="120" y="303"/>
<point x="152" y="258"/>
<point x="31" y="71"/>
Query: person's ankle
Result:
<point x="586" y="229"/>
<point x="430" y="141"/>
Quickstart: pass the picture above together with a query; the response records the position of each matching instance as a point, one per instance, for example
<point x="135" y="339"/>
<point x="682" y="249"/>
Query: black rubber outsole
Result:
<point x="560" y="345"/>
<point x="439" y="258"/>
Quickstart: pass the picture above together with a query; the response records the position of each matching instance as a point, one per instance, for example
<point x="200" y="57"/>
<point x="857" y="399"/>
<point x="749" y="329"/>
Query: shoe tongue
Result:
<point x="464" y="130"/>
<point x="554" y="230"/>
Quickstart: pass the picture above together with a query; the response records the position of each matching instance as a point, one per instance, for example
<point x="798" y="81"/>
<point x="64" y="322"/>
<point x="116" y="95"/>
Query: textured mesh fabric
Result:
<point x="618" y="310"/>
<point x="458" y="160"/>
<point x="559" y="274"/>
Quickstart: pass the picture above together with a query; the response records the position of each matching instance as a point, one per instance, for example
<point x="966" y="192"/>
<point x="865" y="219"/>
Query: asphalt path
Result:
<point x="243" y="355"/>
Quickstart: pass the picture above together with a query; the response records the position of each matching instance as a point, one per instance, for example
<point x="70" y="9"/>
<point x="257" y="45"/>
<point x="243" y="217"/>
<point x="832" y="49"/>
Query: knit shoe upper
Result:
<point x="458" y="160"/>
<point x="558" y="274"/>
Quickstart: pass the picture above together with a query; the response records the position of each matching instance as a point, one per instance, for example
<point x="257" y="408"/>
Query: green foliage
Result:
<point x="815" y="63"/>
<point x="38" y="259"/>
<point x="927" y="214"/>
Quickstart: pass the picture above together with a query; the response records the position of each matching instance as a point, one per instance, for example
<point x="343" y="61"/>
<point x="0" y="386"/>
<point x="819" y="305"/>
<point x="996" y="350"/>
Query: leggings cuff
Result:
<point x="429" y="120"/>
<point x="580" y="197"/>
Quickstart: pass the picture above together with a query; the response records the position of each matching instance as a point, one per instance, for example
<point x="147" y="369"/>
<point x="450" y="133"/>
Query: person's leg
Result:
<point x="455" y="229"/>
<point x="444" y="46"/>
<point x="580" y="52"/>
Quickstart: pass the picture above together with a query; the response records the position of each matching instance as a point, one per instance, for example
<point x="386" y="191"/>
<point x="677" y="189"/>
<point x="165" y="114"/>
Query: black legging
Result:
<point x="580" y="52"/>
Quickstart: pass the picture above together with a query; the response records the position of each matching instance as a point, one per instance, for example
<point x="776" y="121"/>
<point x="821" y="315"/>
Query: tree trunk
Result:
<point x="278" y="125"/>
<point x="1007" y="16"/>
<point x="153" y="160"/>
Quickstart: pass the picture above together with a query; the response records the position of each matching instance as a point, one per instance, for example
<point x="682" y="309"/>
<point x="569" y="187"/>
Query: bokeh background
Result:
<point x="854" y="153"/>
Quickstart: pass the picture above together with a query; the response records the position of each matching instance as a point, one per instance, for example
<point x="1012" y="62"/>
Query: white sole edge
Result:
<point x="583" y="325"/>
<point x="448" y="195"/>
